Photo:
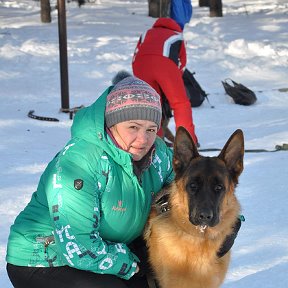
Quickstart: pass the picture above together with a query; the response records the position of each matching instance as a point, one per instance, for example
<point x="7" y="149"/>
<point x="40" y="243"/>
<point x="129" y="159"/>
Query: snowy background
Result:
<point x="249" y="44"/>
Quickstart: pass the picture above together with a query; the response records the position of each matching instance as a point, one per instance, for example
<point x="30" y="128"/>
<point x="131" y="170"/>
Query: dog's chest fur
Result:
<point x="175" y="251"/>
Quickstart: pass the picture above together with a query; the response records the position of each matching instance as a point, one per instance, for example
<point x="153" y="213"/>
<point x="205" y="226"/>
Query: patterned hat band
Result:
<point x="133" y="113"/>
<point x="132" y="99"/>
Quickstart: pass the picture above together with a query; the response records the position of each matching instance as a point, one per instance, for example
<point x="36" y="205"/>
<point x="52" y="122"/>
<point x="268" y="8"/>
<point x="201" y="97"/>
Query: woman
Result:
<point x="160" y="60"/>
<point x="94" y="197"/>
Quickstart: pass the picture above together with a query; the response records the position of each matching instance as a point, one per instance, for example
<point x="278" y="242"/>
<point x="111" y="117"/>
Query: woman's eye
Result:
<point x="152" y="130"/>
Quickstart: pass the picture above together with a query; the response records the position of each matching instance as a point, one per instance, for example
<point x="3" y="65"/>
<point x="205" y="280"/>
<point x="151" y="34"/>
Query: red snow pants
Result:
<point x="164" y="76"/>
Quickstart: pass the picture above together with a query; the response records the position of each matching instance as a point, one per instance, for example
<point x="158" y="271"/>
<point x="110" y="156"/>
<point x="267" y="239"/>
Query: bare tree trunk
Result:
<point x="45" y="11"/>
<point x="216" y="8"/>
<point x="204" y="3"/>
<point x="159" y="8"/>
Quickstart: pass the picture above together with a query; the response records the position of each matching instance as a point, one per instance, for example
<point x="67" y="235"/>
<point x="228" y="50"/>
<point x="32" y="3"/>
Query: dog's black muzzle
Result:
<point x="203" y="217"/>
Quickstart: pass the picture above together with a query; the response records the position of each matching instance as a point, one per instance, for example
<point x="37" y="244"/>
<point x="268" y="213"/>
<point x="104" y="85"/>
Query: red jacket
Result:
<point x="160" y="59"/>
<point x="165" y="38"/>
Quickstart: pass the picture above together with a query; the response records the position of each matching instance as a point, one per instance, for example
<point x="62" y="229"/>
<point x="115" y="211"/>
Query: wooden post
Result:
<point x="62" y="31"/>
<point x="204" y="3"/>
<point x="159" y="8"/>
<point x="216" y="8"/>
<point x="45" y="11"/>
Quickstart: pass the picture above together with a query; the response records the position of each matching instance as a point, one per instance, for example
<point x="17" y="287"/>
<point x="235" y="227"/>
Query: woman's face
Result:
<point x="135" y="136"/>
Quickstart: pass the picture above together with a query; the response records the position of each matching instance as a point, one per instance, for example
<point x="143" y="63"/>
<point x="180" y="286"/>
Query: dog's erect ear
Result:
<point x="184" y="150"/>
<point x="232" y="154"/>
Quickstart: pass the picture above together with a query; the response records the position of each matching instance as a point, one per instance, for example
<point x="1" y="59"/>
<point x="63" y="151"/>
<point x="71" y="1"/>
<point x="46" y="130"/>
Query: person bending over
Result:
<point x="160" y="60"/>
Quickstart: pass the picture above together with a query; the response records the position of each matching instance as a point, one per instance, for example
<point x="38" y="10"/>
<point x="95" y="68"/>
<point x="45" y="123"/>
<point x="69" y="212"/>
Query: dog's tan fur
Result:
<point x="181" y="255"/>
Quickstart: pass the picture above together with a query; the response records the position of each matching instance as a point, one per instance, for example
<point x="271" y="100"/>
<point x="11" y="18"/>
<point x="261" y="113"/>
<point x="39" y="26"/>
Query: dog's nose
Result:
<point x="205" y="216"/>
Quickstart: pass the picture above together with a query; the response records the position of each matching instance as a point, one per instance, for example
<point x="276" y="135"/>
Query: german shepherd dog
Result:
<point x="184" y="240"/>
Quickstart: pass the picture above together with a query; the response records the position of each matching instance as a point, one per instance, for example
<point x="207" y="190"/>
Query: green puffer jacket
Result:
<point x="89" y="204"/>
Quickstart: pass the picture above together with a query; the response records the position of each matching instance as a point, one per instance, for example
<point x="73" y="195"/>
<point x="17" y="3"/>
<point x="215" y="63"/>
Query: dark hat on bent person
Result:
<point x="132" y="99"/>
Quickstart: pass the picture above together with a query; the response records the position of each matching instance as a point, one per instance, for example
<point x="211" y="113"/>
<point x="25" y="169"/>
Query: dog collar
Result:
<point x="161" y="202"/>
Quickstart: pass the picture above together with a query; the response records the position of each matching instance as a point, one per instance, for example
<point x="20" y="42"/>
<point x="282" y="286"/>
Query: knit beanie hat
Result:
<point x="132" y="99"/>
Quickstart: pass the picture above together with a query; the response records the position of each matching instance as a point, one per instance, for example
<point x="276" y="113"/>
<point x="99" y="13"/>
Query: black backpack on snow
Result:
<point x="194" y="91"/>
<point x="239" y="93"/>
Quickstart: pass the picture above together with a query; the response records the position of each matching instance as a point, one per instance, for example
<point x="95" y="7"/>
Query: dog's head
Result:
<point x="206" y="180"/>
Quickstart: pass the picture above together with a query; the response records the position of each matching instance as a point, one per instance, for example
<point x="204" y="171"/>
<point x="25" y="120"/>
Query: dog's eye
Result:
<point x="218" y="188"/>
<point x="193" y="187"/>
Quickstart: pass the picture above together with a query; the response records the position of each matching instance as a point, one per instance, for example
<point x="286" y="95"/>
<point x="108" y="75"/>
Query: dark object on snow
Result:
<point x="239" y="93"/>
<point x="81" y="2"/>
<point x="71" y="111"/>
<point x="43" y="118"/>
<point x="283" y="147"/>
<point x="194" y="91"/>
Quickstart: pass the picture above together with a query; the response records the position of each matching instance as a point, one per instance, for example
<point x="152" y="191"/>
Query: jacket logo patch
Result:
<point x="78" y="184"/>
<point x="119" y="207"/>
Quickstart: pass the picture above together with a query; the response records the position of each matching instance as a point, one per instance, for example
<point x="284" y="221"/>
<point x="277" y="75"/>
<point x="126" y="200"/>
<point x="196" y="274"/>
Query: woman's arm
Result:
<point x="73" y="195"/>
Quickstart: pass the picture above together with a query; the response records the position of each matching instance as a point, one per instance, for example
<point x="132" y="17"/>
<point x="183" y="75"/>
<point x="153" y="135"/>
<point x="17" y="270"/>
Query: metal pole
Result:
<point x="63" y="56"/>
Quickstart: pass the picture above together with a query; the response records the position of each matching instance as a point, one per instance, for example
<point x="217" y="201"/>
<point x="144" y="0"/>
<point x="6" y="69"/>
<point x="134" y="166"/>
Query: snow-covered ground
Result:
<point x="249" y="44"/>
